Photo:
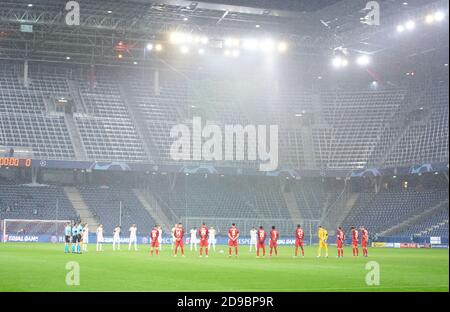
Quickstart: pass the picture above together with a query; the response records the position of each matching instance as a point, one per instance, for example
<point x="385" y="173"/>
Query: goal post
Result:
<point x="20" y="228"/>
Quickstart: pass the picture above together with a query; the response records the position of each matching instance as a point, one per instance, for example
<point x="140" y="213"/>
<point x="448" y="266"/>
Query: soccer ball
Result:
<point x="221" y="251"/>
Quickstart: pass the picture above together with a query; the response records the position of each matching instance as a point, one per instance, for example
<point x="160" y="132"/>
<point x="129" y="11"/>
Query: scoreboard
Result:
<point x="14" y="162"/>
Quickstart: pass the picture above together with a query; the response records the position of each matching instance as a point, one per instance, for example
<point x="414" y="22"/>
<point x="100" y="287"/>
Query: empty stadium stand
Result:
<point x="106" y="203"/>
<point x="34" y="202"/>
<point x="379" y="211"/>
<point x="435" y="225"/>
<point x="126" y="116"/>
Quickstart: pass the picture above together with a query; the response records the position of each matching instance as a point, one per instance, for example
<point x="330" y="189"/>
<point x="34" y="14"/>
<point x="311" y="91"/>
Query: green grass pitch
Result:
<point x="42" y="267"/>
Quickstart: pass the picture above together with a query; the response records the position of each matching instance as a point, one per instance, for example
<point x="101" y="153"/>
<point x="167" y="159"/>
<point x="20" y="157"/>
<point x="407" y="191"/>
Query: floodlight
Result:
<point x="429" y="19"/>
<point x="282" y="47"/>
<point x="410" y="25"/>
<point x="184" y="49"/>
<point x="363" y="60"/>
<point x="439" y="16"/>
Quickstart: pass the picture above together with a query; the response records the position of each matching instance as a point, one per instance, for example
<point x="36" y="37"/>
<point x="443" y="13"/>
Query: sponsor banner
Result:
<point x="34" y="239"/>
<point x="400" y="245"/>
<point x="208" y="168"/>
<point x="408" y="245"/>
<point x="125" y="240"/>
<point x="383" y="245"/>
<point x="20" y="238"/>
<point x="435" y="240"/>
<point x="441" y="246"/>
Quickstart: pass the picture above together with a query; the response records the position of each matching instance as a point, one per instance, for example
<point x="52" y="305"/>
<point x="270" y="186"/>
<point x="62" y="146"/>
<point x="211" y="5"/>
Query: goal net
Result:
<point x="22" y="230"/>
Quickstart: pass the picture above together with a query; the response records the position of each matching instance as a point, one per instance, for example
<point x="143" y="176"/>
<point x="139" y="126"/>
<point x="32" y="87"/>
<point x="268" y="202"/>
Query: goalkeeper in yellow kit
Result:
<point x="323" y="237"/>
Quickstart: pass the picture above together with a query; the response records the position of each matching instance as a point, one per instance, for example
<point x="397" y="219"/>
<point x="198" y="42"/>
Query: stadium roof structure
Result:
<point x="37" y="30"/>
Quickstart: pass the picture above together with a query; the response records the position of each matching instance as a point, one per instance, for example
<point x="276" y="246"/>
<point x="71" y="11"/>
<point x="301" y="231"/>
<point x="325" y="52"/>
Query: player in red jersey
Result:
<point x="274" y="235"/>
<point x="340" y="237"/>
<point x="178" y="233"/>
<point x="299" y="236"/>
<point x="355" y="235"/>
<point x="364" y="240"/>
<point x="233" y="235"/>
<point x="154" y="236"/>
<point x="261" y="241"/>
<point x="203" y="233"/>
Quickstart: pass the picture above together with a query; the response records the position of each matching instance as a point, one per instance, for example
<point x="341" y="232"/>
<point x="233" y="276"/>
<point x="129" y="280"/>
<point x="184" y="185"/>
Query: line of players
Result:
<point x="258" y="239"/>
<point x="78" y="235"/>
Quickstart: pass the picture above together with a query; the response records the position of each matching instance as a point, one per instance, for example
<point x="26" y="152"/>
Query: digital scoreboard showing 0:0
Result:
<point x="14" y="162"/>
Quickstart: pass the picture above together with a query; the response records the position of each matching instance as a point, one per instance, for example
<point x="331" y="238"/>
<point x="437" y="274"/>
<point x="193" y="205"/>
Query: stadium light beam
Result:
<point x="176" y="38"/>
<point x="410" y="25"/>
<point x="267" y="46"/>
<point x="282" y="47"/>
<point x="184" y="49"/>
<point x="400" y="28"/>
<point x="250" y="44"/>
<point x="439" y="16"/>
<point x="231" y="42"/>
<point x="149" y="47"/>
<point x="339" y="62"/>
<point x="363" y="60"/>
<point x="429" y="19"/>
<point x="189" y="39"/>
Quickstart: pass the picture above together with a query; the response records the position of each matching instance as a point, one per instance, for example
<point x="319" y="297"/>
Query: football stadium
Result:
<point x="224" y="145"/>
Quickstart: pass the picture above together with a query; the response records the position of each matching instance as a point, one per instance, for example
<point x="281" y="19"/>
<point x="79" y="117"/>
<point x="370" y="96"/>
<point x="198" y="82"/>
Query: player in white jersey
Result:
<point x="253" y="235"/>
<point x="212" y="238"/>
<point x="116" y="238"/>
<point x="193" y="239"/>
<point x="173" y="235"/>
<point x="160" y="237"/>
<point x="133" y="237"/>
<point x="100" y="237"/>
<point x="85" y="237"/>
